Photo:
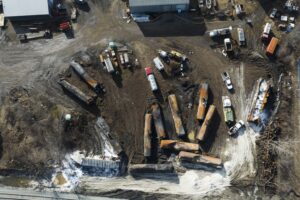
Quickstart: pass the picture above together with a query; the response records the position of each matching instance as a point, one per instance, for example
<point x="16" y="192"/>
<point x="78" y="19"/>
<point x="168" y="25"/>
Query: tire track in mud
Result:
<point x="241" y="166"/>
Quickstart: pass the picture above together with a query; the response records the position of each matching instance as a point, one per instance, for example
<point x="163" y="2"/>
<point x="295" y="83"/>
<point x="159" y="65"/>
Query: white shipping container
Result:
<point x="158" y="64"/>
<point x="152" y="82"/>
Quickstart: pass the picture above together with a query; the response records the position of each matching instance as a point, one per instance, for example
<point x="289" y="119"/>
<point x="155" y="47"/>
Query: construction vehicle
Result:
<point x="272" y="46"/>
<point x="163" y="54"/>
<point x="199" y="159"/>
<point x="227" y="80"/>
<point x="220" y="32"/>
<point x="202" y="133"/>
<point x="147" y="135"/>
<point x="151" y="79"/>
<point x="241" y="36"/>
<point x="158" y="122"/>
<point x="65" y="26"/>
<point x="158" y="64"/>
<point x="176" y="115"/>
<point x="208" y="4"/>
<point x="73" y="13"/>
<point x="98" y="88"/>
<point x="228" y="45"/>
<point x="178" y="146"/>
<point x="203" y="96"/>
<point x="88" y="99"/>
<point x="266" y="31"/>
<point x="235" y="129"/>
<point x="178" y="56"/>
<point x="227" y="109"/>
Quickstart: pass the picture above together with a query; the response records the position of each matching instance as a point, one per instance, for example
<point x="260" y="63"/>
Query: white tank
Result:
<point x="152" y="82"/>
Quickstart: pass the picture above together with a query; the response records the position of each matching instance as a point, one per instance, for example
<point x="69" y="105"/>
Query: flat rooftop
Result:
<point x="19" y="8"/>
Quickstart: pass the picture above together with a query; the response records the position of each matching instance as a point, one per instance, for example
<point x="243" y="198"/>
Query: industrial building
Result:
<point x="27" y="9"/>
<point x="157" y="6"/>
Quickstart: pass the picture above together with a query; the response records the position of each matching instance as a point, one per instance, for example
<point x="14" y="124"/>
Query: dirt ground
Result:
<point x="33" y="104"/>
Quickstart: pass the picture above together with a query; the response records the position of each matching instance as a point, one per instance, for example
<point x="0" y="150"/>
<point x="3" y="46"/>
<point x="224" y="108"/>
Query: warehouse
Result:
<point x="27" y="9"/>
<point x="157" y="6"/>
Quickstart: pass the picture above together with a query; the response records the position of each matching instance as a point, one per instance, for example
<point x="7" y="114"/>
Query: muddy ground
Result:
<point x="33" y="104"/>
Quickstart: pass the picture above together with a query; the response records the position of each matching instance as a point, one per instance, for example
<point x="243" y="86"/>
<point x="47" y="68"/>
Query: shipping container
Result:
<point x="272" y="46"/>
<point x="176" y="115"/>
<point x="158" y="122"/>
<point x="203" y="96"/>
<point x="147" y="135"/>
<point x="199" y="159"/>
<point x="202" y="133"/>
<point x="178" y="146"/>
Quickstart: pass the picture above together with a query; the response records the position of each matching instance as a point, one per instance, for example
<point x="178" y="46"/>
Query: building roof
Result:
<point x="157" y="2"/>
<point x="19" y="8"/>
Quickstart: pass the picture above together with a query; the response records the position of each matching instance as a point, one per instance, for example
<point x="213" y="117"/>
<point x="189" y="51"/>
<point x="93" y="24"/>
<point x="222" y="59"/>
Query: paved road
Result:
<point x="28" y="194"/>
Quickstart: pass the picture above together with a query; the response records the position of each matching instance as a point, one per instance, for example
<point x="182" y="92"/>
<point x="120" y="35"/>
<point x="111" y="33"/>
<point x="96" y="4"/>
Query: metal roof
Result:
<point x="157" y="2"/>
<point x="19" y="8"/>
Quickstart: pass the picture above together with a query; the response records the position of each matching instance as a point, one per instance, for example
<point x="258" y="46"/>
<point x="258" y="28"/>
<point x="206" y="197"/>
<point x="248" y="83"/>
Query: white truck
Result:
<point x="227" y="110"/>
<point x="227" y="80"/>
<point x="266" y="31"/>
<point x="241" y="35"/>
<point x="158" y="64"/>
<point x="220" y="32"/>
<point x="235" y="129"/>
<point x="151" y="79"/>
<point x="228" y="45"/>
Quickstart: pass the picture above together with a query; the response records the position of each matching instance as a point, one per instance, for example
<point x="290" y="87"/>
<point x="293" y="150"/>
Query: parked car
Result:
<point x="234" y="130"/>
<point x="273" y="13"/>
<point x="227" y="80"/>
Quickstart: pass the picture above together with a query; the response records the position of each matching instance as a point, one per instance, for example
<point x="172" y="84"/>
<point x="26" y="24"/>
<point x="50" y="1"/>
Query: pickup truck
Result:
<point x="234" y="130"/>
<point x="227" y="110"/>
<point x="226" y="78"/>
